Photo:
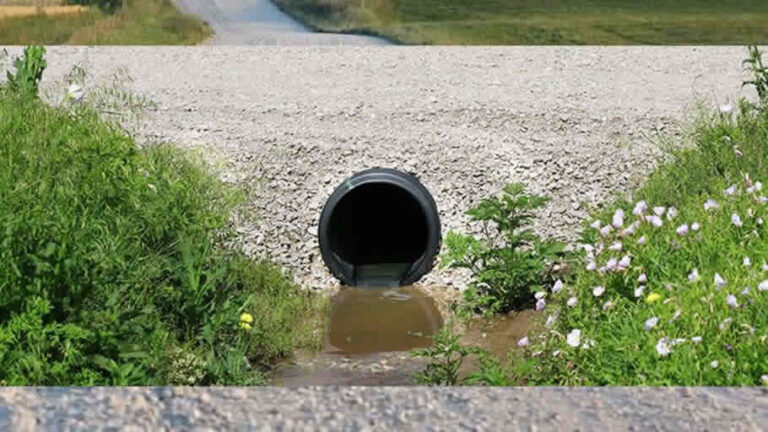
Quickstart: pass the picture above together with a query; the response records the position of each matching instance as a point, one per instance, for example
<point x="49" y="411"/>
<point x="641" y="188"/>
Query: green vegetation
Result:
<point x="529" y="22"/>
<point x="672" y="288"/>
<point x="112" y="265"/>
<point x="137" y="22"/>
<point x="509" y="262"/>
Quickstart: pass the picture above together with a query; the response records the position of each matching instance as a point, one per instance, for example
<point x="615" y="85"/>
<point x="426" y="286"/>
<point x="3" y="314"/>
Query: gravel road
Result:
<point x="260" y="22"/>
<point x="386" y="409"/>
<point x="575" y="123"/>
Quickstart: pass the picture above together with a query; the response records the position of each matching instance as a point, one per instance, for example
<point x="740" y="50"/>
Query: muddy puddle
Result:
<point x="371" y="332"/>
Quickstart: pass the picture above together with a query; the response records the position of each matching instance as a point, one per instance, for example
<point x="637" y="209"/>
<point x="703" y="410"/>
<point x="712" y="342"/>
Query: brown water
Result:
<point x="371" y="332"/>
<point x="368" y="341"/>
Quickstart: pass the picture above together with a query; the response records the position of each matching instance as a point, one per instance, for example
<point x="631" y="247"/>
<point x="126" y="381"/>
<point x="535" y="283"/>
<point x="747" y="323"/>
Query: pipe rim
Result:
<point x="405" y="181"/>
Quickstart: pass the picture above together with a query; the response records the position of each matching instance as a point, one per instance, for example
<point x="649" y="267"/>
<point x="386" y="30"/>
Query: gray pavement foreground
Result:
<point x="387" y="408"/>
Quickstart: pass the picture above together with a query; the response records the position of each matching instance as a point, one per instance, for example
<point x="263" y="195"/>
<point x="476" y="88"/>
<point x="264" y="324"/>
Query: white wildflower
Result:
<point x="736" y="220"/>
<point x="671" y="213"/>
<point x="731" y="301"/>
<point x="730" y="191"/>
<point x="607" y="305"/>
<point x="624" y="262"/>
<point x="693" y="276"/>
<point x="655" y="221"/>
<point x="663" y="347"/>
<point x="598" y="291"/>
<point x="763" y="286"/>
<point x="726" y="108"/>
<point x="719" y="281"/>
<point x="745" y="291"/>
<point x="640" y="208"/>
<point x="639" y="290"/>
<point x="758" y="186"/>
<point x="710" y="204"/>
<point x="764" y="379"/>
<point x="616" y="246"/>
<point x="643" y="278"/>
<point x="588" y="343"/>
<point x="641" y="240"/>
<point x="612" y="264"/>
<point x="659" y="211"/>
<point x="682" y="230"/>
<point x="765" y="266"/>
<point x="591" y="266"/>
<point x="523" y="342"/>
<point x="618" y="218"/>
<point x="746" y="261"/>
<point x="762" y="199"/>
<point x="572" y="301"/>
<point x="557" y="287"/>
<point x="714" y="364"/>
<point x="539" y="295"/>
<point x="550" y="320"/>
<point x="595" y="224"/>
<point x="540" y="304"/>
<point x="574" y="338"/>
<point x="651" y="323"/>
<point x="725" y="322"/>
<point x="75" y="92"/>
<point x="695" y="226"/>
<point x="696" y="339"/>
<point x="556" y="353"/>
<point x="604" y="231"/>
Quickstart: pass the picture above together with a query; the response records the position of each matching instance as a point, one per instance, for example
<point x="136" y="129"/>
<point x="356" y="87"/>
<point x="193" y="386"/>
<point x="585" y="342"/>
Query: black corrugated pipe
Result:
<point x="379" y="228"/>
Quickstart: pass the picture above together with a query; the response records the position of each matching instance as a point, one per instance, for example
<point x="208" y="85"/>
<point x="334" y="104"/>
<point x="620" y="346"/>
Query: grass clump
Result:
<point x="111" y="265"/>
<point x="533" y="22"/>
<point x="682" y="296"/>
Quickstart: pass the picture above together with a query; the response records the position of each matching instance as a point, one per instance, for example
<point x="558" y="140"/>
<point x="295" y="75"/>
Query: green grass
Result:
<point x="528" y="22"/>
<point x="139" y="22"/>
<point x="112" y="269"/>
<point x="734" y="346"/>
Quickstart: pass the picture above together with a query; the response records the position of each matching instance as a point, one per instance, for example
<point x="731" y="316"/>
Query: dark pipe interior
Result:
<point x="378" y="224"/>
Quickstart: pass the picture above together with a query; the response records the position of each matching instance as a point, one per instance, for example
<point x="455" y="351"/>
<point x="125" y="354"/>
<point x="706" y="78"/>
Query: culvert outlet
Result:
<point x="380" y="228"/>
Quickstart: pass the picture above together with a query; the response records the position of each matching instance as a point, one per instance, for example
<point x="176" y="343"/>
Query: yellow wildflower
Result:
<point x="245" y="326"/>
<point x="652" y="298"/>
<point x="246" y="318"/>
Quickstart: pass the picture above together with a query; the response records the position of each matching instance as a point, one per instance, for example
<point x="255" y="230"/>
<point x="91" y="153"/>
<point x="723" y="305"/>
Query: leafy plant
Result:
<point x="446" y="356"/>
<point x="760" y="73"/>
<point x="29" y="71"/>
<point x="509" y="261"/>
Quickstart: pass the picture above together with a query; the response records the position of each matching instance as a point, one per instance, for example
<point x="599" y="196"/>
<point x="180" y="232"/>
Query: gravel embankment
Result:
<point x="575" y="123"/>
<point x="386" y="409"/>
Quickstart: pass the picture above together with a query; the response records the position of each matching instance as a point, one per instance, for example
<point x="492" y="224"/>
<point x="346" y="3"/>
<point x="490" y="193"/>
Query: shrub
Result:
<point x="446" y="356"/>
<point x="29" y="71"/>
<point x="509" y="262"/>
<point x="112" y="269"/>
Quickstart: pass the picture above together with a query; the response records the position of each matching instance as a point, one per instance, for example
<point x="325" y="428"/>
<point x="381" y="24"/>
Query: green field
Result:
<point x="138" y="22"/>
<point x="492" y="22"/>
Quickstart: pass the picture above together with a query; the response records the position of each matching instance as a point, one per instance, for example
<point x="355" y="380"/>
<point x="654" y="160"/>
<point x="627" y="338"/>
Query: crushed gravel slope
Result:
<point x="575" y="123"/>
<point x="384" y="409"/>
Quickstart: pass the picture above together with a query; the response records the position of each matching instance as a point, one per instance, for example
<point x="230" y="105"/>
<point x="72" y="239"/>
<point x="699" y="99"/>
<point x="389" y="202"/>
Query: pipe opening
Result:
<point x="379" y="230"/>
